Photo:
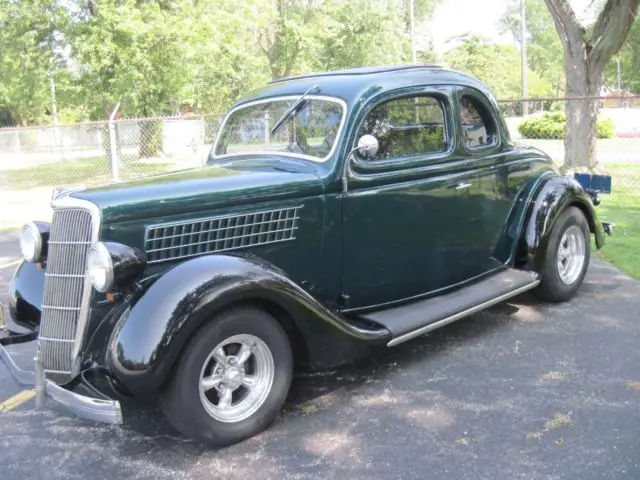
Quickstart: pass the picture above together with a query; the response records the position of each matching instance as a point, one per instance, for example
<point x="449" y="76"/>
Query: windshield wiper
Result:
<point x="292" y="109"/>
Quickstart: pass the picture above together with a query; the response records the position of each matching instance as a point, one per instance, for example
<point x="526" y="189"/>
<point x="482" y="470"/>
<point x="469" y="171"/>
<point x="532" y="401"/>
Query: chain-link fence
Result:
<point x="542" y="123"/>
<point x="102" y="152"/>
<point x="33" y="160"/>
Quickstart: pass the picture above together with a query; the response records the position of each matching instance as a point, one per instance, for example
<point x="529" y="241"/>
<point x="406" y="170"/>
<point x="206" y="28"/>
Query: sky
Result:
<point x="457" y="17"/>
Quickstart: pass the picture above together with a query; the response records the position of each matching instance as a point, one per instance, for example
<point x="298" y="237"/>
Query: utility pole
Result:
<point x="413" y="32"/>
<point x="619" y="75"/>
<point x="523" y="59"/>
<point x="54" y="107"/>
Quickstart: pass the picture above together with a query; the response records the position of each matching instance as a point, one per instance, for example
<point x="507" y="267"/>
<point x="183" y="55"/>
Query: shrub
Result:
<point x="605" y="128"/>
<point x="554" y="126"/>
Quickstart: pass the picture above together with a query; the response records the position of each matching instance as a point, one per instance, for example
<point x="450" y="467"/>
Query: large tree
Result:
<point x="586" y="55"/>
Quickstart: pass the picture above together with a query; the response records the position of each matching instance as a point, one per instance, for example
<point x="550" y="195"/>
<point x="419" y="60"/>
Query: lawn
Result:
<point x="95" y="170"/>
<point x="622" y="207"/>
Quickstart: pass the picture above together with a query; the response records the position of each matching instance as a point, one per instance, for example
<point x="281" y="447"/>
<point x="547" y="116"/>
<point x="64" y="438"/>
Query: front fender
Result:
<point x="26" y="294"/>
<point x="554" y="196"/>
<point x="151" y="332"/>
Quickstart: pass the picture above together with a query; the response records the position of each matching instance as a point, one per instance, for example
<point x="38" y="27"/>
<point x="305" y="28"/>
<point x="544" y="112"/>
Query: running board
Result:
<point x="412" y="320"/>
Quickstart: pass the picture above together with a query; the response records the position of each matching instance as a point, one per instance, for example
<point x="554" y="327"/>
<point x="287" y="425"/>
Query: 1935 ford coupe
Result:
<point x="338" y="214"/>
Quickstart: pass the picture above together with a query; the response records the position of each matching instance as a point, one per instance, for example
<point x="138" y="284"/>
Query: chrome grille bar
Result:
<point x="67" y="291"/>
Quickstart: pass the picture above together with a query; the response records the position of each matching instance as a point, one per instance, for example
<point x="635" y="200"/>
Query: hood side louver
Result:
<point x="172" y="241"/>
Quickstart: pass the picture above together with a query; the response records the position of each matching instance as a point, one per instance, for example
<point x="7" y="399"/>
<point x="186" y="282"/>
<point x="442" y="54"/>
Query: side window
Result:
<point x="478" y="127"/>
<point x="407" y="126"/>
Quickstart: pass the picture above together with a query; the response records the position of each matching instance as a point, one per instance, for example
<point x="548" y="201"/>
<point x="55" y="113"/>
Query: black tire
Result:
<point x="181" y="401"/>
<point x="552" y="288"/>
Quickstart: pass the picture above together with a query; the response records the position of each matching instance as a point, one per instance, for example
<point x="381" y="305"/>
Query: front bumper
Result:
<point x="95" y="409"/>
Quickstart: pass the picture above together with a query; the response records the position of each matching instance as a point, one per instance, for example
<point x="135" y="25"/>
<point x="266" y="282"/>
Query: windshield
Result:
<point x="310" y="131"/>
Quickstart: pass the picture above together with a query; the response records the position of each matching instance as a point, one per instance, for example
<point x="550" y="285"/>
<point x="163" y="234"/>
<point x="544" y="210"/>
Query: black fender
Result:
<point x="553" y="197"/>
<point x="26" y="294"/>
<point x="152" y="331"/>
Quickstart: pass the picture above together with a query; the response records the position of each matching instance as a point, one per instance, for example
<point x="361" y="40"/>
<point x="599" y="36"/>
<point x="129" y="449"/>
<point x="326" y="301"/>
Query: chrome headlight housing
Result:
<point x="111" y="265"/>
<point x="33" y="241"/>
<point x="100" y="267"/>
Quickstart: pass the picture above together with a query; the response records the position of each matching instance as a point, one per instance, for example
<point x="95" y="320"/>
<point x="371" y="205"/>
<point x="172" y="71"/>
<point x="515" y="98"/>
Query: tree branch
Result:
<point x="610" y="31"/>
<point x="567" y="24"/>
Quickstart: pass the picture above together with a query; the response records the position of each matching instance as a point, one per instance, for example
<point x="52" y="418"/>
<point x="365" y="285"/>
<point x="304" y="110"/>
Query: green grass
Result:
<point x="81" y="171"/>
<point x="622" y="207"/>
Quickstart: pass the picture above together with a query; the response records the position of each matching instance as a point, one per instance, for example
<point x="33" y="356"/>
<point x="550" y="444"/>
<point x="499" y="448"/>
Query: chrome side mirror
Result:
<point x="368" y="146"/>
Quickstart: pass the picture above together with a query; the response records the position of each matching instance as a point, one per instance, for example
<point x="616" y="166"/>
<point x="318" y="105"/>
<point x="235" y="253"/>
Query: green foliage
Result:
<point x="361" y="33"/>
<point x="554" y="126"/>
<point x="548" y="126"/>
<point x="482" y="59"/>
<point x="629" y="63"/>
<point x="605" y="128"/>
<point x="544" y="49"/>
<point x="30" y="46"/>
<point x="134" y="53"/>
<point x="158" y="57"/>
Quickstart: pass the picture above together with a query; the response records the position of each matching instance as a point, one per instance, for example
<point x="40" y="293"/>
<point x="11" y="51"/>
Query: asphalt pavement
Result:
<point x="522" y="391"/>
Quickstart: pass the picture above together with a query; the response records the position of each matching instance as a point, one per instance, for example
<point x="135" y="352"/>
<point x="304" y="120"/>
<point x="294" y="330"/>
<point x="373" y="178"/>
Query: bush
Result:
<point x="549" y="125"/>
<point x="605" y="128"/>
<point x="554" y="126"/>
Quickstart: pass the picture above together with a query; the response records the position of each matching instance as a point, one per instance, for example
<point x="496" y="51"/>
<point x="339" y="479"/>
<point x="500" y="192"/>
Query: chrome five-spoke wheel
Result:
<point x="236" y="378"/>
<point x="232" y="378"/>
<point x="571" y="255"/>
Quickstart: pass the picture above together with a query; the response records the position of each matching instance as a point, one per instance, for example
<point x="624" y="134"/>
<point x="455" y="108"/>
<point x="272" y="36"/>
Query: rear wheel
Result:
<point x="566" y="257"/>
<point x="232" y="378"/>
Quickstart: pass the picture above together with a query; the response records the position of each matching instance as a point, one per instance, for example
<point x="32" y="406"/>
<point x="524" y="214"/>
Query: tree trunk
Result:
<point x="585" y="58"/>
<point x="580" y="142"/>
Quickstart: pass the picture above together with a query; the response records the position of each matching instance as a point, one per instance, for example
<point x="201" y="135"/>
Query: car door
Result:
<point x="401" y="210"/>
<point x="484" y="203"/>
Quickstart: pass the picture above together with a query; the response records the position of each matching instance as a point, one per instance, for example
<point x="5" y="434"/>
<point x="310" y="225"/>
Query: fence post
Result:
<point x="113" y="145"/>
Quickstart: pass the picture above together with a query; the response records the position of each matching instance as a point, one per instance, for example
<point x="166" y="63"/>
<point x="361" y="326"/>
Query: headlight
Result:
<point x="31" y="242"/>
<point x="111" y="265"/>
<point x="100" y="267"/>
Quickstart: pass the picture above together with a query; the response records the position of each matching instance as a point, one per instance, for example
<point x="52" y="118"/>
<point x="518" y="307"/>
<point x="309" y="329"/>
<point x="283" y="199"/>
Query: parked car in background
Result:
<point x="339" y="214"/>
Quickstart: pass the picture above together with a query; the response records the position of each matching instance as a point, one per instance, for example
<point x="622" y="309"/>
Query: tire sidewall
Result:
<point x="182" y="404"/>
<point x="554" y="286"/>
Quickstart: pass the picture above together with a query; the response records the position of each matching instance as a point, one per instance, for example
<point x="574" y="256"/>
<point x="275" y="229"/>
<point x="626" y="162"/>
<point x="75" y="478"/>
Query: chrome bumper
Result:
<point x="95" y="409"/>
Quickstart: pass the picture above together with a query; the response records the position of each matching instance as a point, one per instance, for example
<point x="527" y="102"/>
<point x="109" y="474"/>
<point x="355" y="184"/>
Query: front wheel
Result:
<point x="566" y="257"/>
<point x="232" y="378"/>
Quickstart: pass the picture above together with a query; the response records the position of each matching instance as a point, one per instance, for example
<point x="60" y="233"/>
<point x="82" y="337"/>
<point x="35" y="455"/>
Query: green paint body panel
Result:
<point x="370" y="234"/>
<point x="402" y="229"/>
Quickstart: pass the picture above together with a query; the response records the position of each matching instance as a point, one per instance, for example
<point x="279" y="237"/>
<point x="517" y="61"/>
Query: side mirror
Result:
<point x="368" y="146"/>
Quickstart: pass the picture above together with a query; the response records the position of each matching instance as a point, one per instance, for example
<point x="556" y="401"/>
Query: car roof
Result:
<point x="356" y="85"/>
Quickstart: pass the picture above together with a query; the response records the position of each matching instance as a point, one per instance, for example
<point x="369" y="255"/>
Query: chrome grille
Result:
<point x="64" y="290"/>
<point x="170" y="241"/>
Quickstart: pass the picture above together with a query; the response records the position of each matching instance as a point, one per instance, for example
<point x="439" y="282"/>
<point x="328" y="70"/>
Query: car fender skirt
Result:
<point x="553" y="197"/>
<point x="151" y="332"/>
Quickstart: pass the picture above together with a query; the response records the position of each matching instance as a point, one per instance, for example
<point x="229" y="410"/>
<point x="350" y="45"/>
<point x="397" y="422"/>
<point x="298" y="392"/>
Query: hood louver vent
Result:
<point x="172" y="241"/>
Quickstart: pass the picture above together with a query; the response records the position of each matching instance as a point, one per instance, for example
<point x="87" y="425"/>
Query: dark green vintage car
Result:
<point x="338" y="214"/>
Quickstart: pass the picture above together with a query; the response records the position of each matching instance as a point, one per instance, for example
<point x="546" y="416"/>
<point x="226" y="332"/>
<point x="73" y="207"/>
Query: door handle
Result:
<point x="462" y="186"/>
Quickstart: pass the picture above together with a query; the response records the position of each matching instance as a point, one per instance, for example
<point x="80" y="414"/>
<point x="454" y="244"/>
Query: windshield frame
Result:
<point x="312" y="158"/>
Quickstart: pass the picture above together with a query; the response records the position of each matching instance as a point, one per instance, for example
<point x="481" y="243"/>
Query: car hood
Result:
<point x="202" y="189"/>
